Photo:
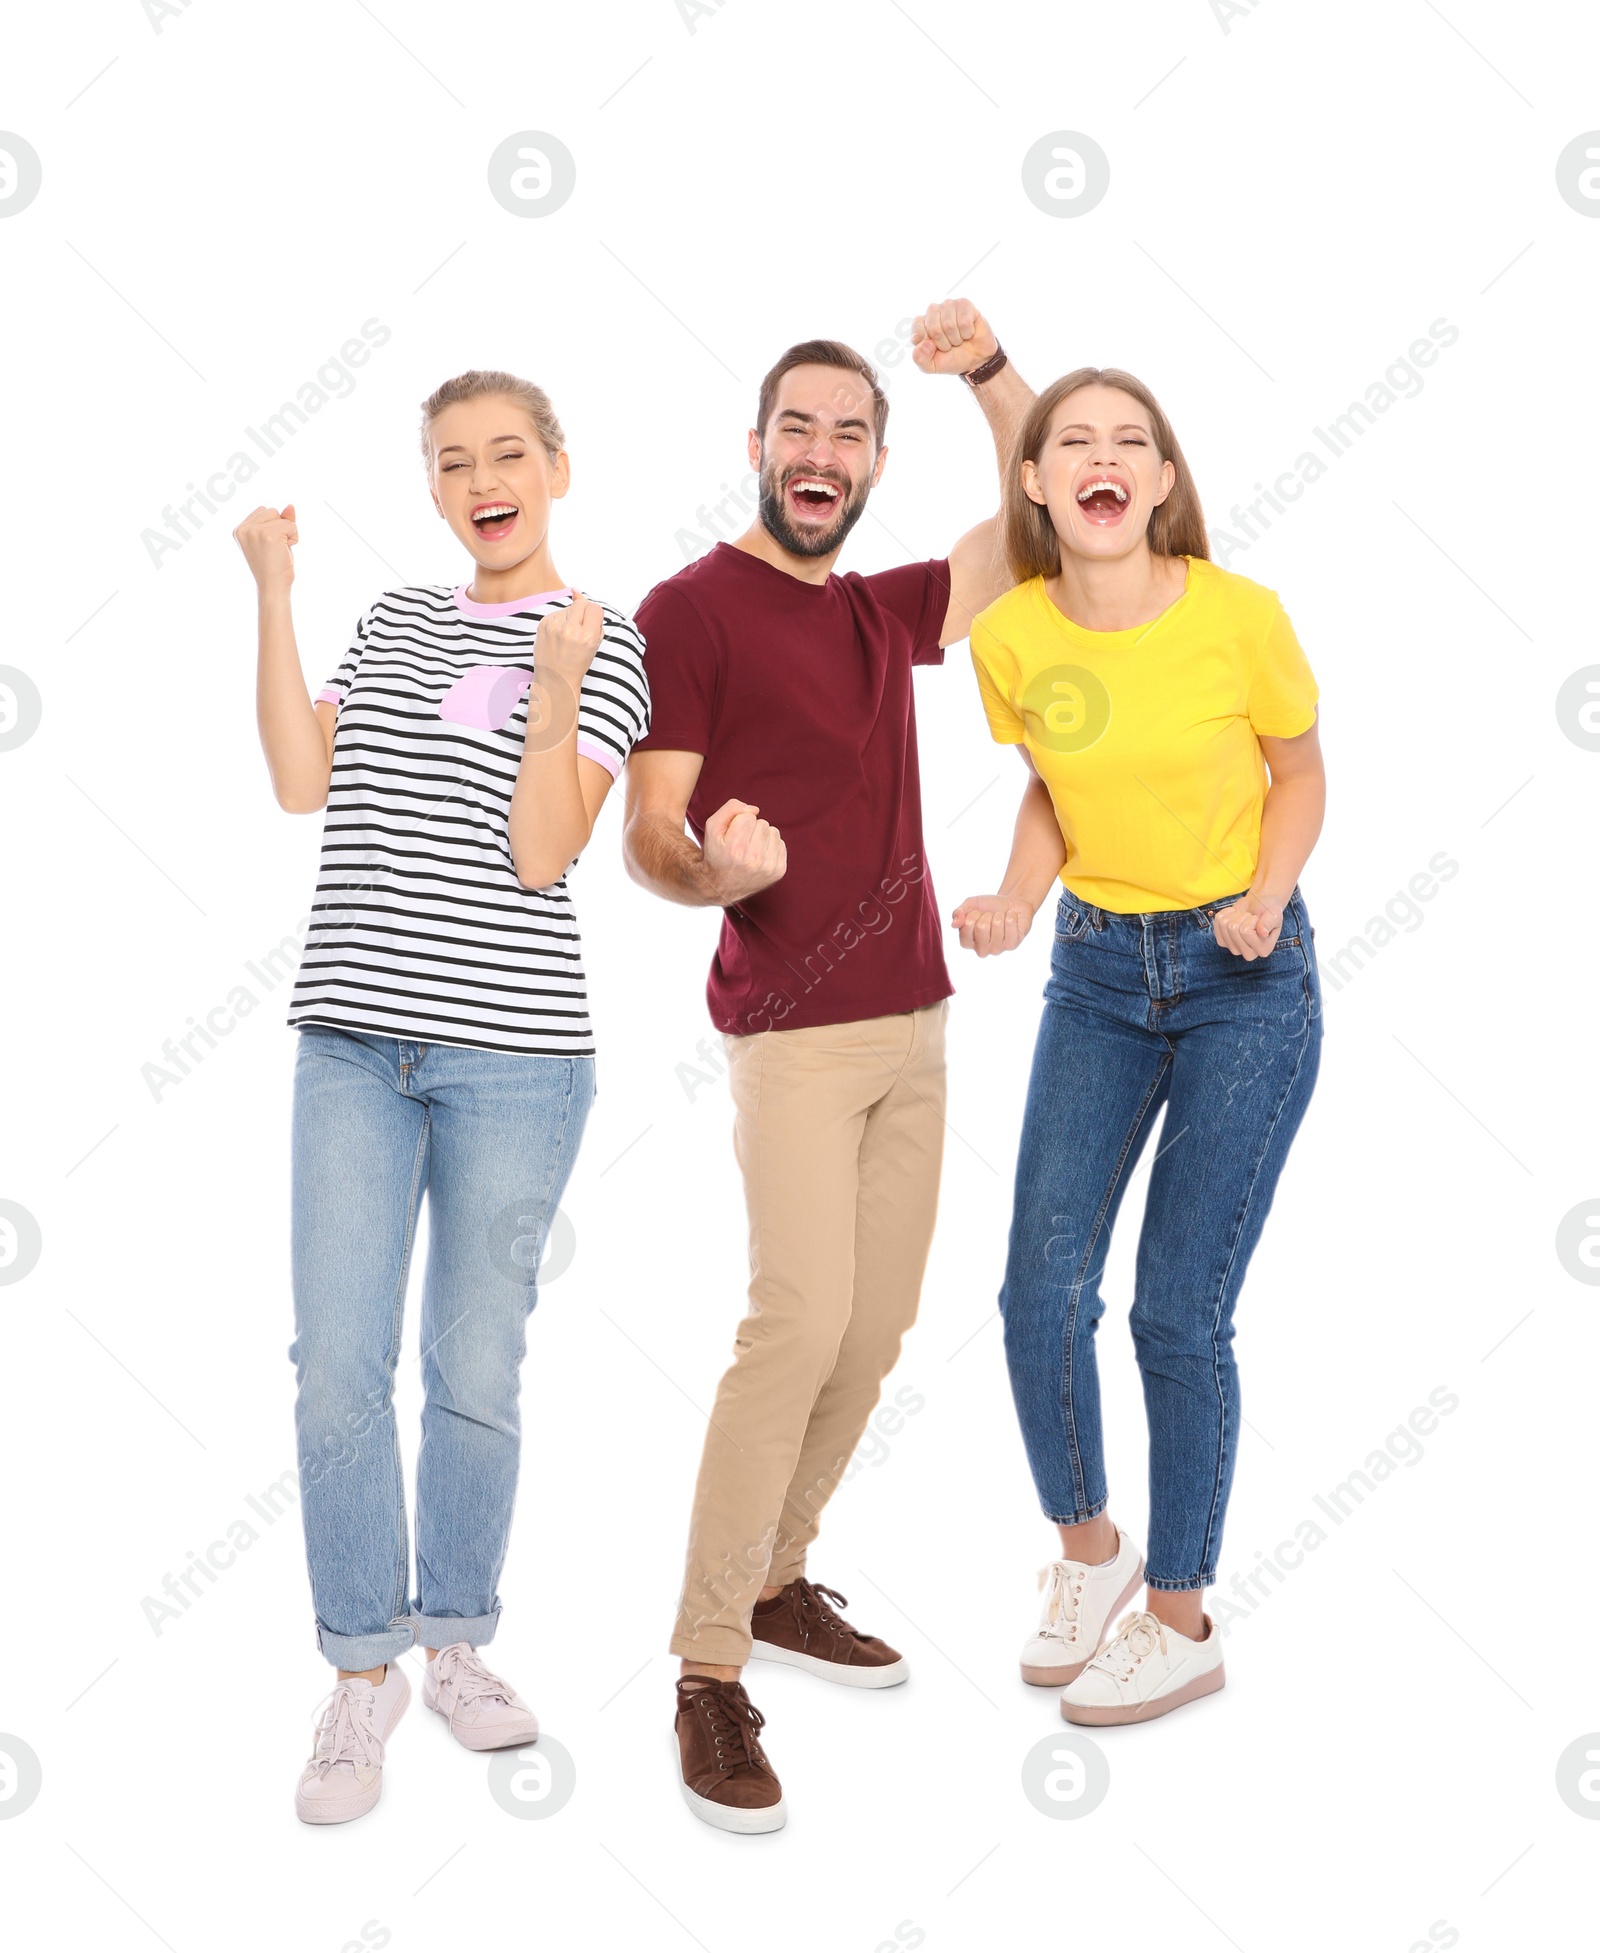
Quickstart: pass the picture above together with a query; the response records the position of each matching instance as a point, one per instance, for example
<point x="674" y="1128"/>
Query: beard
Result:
<point x="822" y="541"/>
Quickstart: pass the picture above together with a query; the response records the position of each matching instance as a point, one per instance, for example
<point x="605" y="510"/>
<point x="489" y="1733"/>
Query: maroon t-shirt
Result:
<point x="798" y="695"/>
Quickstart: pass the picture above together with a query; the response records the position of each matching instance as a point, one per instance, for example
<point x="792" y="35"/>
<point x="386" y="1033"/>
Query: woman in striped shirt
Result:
<point x="462" y="750"/>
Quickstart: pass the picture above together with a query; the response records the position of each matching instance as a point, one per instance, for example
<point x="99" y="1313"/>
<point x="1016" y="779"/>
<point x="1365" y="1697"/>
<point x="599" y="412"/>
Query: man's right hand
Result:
<point x="267" y="537"/>
<point x="743" y="852"/>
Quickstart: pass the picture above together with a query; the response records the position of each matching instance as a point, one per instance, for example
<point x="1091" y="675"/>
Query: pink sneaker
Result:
<point x="344" y="1778"/>
<point x="483" y="1712"/>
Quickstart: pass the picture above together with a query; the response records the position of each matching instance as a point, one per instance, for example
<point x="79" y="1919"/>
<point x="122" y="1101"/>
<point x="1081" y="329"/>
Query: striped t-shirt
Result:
<point x="420" y="928"/>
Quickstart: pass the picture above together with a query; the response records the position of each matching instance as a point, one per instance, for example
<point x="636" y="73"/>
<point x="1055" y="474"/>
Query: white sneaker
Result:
<point x="1079" y="1602"/>
<point x="344" y="1778"/>
<point x="483" y="1712"/>
<point x="1144" y="1670"/>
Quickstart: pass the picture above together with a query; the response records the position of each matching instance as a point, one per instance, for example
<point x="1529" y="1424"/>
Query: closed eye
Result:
<point x="506" y="454"/>
<point x="840" y="434"/>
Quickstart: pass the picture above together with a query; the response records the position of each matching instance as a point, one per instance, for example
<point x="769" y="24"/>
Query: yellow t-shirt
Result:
<point x="1147" y="739"/>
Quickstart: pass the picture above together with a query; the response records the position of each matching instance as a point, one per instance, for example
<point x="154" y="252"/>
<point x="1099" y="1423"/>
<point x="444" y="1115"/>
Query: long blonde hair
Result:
<point x="1177" y="526"/>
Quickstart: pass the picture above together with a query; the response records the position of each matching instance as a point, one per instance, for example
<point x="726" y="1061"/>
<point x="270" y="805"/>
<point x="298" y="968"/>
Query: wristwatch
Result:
<point x="988" y="369"/>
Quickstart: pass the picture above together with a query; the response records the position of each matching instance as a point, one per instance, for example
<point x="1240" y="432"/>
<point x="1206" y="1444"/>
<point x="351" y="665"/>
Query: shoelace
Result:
<point x="812" y="1598"/>
<point x="462" y="1669"/>
<point x="1137" y="1636"/>
<point x="344" y="1729"/>
<point x="1061" y="1615"/>
<point x="729" y="1716"/>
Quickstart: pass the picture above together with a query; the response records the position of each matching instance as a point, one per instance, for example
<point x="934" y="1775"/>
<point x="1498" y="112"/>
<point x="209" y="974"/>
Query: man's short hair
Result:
<point x="823" y="352"/>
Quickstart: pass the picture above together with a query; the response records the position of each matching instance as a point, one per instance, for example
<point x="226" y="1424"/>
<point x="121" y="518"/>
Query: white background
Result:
<point x="1296" y="193"/>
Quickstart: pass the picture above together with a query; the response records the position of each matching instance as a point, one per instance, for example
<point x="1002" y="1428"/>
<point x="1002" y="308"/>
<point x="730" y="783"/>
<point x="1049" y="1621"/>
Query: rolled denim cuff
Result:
<point x="355" y="1652"/>
<point x="439" y="1630"/>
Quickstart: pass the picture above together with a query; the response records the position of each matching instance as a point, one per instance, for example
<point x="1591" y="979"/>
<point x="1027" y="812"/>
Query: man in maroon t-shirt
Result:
<point x="783" y="733"/>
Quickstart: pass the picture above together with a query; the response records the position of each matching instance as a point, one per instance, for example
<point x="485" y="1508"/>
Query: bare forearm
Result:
<point x="1291" y="820"/>
<point x="979" y="572"/>
<point x="992" y="924"/>
<point x="667" y="861"/>
<point x="1005" y="401"/>
<point x="548" y="826"/>
<point x="292" y="739"/>
<point x="1038" y="852"/>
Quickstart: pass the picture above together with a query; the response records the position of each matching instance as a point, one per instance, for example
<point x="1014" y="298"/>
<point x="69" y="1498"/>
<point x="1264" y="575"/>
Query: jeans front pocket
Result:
<point x="1072" y="921"/>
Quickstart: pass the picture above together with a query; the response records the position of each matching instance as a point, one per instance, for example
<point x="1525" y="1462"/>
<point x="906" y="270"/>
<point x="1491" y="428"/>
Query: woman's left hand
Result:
<point x="1249" y="927"/>
<point x="568" y="639"/>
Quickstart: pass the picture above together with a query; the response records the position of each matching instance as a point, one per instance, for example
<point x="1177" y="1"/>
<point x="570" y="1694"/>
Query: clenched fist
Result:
<point x="744" y="853"/>
<point x="267" y="537"/>
<point x="1249" y="927"/>
<point x="568" y="639"/>
<point x="952" y="336"/>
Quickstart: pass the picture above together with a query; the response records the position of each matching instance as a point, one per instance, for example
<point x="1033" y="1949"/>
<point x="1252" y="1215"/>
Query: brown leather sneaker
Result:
<point x="798" y="1626"/>
<point x="727" y="1779"/>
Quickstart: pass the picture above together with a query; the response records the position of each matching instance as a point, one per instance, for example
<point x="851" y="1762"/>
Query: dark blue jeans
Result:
<point x="1143" y="1011"/>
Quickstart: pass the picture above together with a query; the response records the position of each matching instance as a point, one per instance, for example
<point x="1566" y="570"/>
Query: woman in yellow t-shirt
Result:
<point x="1168" y="720"/>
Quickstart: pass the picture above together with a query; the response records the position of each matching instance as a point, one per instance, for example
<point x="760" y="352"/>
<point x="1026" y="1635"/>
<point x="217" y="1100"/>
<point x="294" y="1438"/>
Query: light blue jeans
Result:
<point x="491" y="1136"/>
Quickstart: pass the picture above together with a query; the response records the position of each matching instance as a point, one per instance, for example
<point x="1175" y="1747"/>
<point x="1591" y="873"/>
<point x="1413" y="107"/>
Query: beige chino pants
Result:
<point x="839" y="1132"/>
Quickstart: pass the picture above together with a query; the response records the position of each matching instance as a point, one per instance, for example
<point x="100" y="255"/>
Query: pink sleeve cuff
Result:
<point x="330" y="695"/>
<point x="601" y="755"/>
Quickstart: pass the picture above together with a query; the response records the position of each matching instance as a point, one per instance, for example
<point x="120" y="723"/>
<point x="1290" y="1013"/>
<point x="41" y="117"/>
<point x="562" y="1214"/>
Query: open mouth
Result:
<point x="495" y="520"/>
<point x="1103" y="501"/>
<point x="813" y="497"/>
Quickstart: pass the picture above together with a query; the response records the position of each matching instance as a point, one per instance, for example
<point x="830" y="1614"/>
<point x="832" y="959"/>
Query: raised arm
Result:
<point x="954" y="337"/>
<point x="296" y="736"/>
<point x="559" y="791"/>
<point x="742" y="854"/>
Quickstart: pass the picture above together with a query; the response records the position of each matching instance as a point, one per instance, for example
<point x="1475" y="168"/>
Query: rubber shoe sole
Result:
<point x="1057" y="1678"/>
<point x="730" y="1817"/>
<point x="1099" y="1718"/>
<point x="319" y="1811"/>
<point x="885" y="1677"/>
<point x="513" y="1736"/>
